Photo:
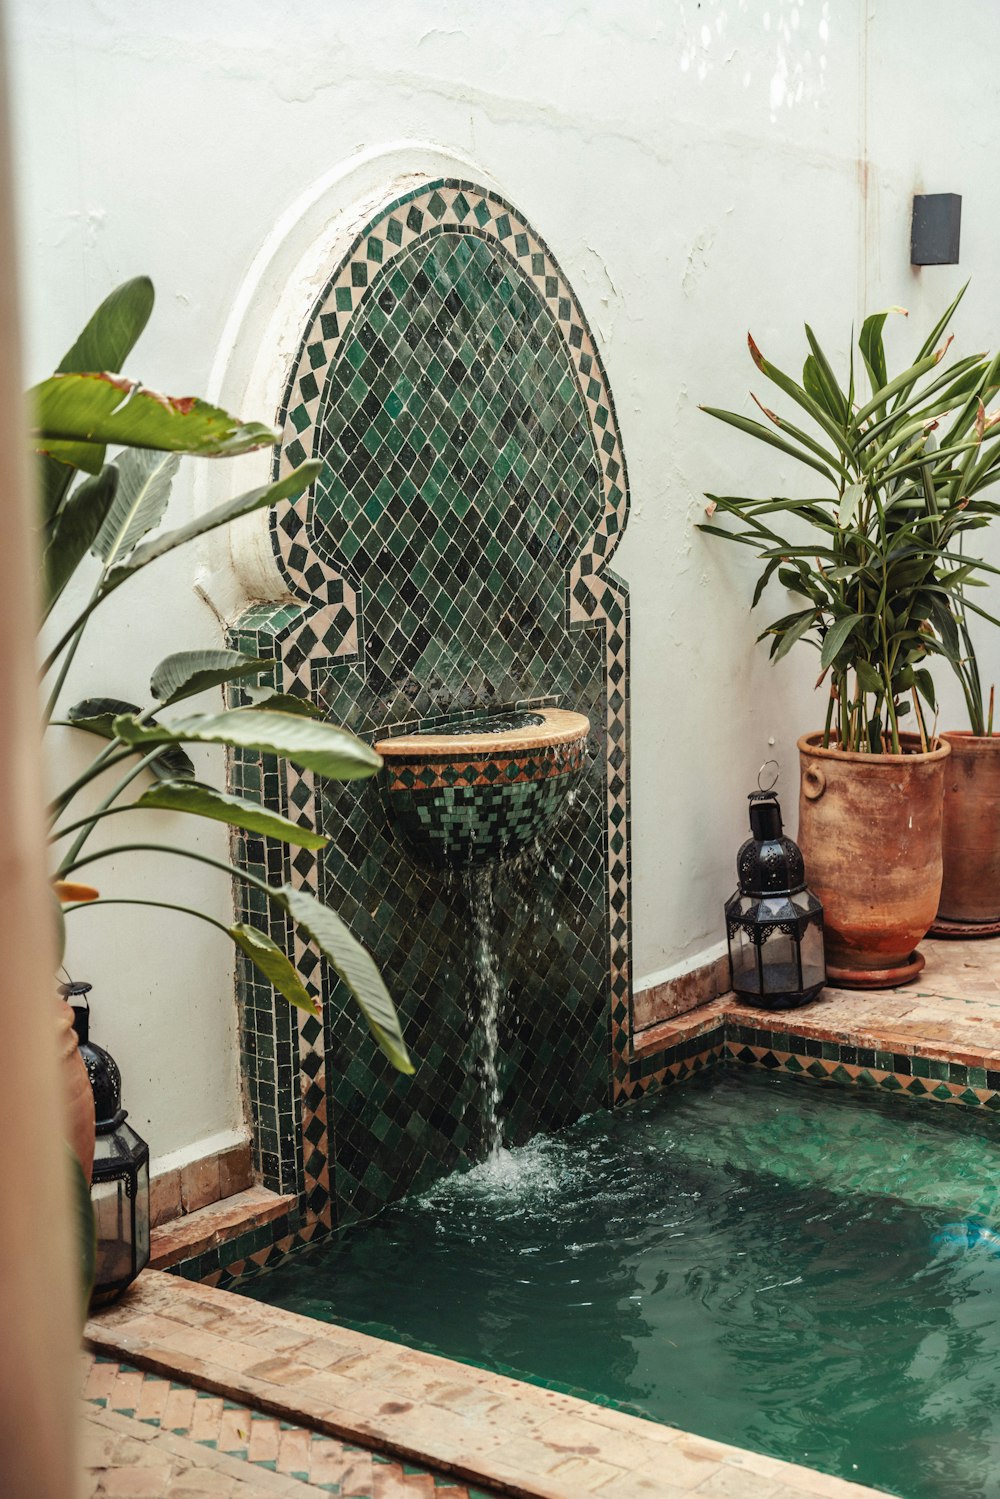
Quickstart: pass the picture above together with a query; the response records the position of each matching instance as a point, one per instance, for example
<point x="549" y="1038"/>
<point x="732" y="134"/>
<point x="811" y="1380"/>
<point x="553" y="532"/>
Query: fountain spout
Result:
<point x="485" y="789"/>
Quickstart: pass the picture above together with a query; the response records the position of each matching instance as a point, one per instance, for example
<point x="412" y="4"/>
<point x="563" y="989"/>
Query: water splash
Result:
<point x="480" y="888"/>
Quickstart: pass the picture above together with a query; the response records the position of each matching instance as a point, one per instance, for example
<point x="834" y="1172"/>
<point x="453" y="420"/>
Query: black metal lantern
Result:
<point x="774" y="925"/>
<point x="120" y="1183"/>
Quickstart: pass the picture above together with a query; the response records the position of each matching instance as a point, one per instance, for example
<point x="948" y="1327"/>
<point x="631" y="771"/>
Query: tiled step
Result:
<point x="219" y="1221"/>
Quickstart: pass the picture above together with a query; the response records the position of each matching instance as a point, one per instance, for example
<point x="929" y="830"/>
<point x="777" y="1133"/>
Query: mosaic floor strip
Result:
<point x="119" y="1459"/>
<point x="497" y="1434"/>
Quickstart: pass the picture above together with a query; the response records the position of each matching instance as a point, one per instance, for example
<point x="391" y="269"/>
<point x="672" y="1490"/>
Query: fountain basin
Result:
<point x="485" y="788"/>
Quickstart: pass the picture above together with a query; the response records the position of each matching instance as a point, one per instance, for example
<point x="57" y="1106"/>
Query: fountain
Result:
<point x="471" y="796"/>
<point x="448" y="578"/>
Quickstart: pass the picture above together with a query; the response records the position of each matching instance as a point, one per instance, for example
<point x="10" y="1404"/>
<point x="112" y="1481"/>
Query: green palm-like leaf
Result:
<point x="288" y="488"/>
<point x="268" y="700"/>
<point x="76" y="415"/>
<point x="355" y="966"/>
<point x="113" y="331"/>
<point x="144" y="483"/>
<point x="221" y="806"/>
<point x="104" y="344"/>
<point x="322" y="747"/>
<point x="75" y="527"/>
<point x="274" y="965"/>
<point x="186" y="673"/>
<point x="837" y="636"/>
<point x="97" y="715"/>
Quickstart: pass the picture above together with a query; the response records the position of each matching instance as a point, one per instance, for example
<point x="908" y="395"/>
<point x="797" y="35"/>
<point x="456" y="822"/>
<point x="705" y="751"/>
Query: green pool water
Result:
<point x="807" y="1271"/>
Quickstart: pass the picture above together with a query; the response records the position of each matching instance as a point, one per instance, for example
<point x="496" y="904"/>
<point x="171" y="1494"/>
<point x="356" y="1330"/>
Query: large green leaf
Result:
<point x="784" y="640"/>
<point x="322" y="747"/>
<point x="220" y="806"/>
<point x="75" y="527"/>
<point x="355" y="966"/>
<point x="104" y="344"/>
<point x="288" y="488"/>
<point x="74" y="416"/>
<point x="274" y="965"/>
<point x="872" y="348"/>
<point x="764" y="434"/>
<point x="97" y="715"/>
<point x="837" y="636"/>
<point x="145" y="479"/>
<point x="821" y="382"/>
<point x="113" y="331"/>
<point x="187" y="672"/>
<point x="267" y="699"/>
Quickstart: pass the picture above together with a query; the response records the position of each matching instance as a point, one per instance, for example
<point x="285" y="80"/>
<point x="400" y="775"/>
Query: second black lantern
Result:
<point x="774" y="925"/>
<point x="120" y="1185"/>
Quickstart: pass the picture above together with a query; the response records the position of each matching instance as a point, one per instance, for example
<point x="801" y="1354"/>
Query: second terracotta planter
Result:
<point x="870" y="835"/>
<point x="970" y="892"/>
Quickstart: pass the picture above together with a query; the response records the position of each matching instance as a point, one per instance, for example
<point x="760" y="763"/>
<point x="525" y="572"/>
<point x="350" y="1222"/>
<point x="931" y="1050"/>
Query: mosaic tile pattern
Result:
<point x="864" y="1067"/>
<point x="265" y="1443"/>
<point x="452" y="558"/>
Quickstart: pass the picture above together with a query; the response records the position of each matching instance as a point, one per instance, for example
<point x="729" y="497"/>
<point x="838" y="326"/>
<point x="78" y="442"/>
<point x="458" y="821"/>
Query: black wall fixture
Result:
<point x="936" y="228"/>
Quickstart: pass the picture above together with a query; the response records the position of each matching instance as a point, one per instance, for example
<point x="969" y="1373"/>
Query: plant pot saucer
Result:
<point x="970" y="930"/>
<point x="876" y="978"/>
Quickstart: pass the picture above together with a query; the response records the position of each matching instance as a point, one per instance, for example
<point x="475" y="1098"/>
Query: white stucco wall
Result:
<point x="698" y="169"/>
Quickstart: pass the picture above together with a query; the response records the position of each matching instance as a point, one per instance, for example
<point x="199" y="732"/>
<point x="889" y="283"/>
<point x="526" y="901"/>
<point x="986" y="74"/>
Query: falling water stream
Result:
<point x="480" y="889"/>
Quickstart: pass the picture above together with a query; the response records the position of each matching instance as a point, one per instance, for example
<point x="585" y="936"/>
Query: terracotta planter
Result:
<point x="77" y="1092"/>
<point x="870" y="834"/>
<point x="971" y="839"/>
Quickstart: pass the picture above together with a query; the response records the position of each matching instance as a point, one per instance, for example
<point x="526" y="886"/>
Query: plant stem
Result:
<point x="920" y="721"/>
<point x="183" y="853"/>
<point x="163" y="905"/>
<point x="75" y="627"/>
<point x="829" y="716"/>
<point x="109" y="756"/>
<point x="89" y="823"/>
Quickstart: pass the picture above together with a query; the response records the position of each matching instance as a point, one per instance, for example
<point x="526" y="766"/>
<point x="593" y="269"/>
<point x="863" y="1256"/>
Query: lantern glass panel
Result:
<point x="113" y="1222"/>
<point x="120" y="1195"/>
<point x="780" y="960"/>
<point x="813" y="958"/>
<point x="746" y="977"/>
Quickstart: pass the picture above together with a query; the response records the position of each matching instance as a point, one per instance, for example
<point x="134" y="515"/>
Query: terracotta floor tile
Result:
<point x="153" y="1399"/>
<point x="178" y="1409"/>
<point x="207" y="1419"/>
<point x="137" y="1483"/>
<point x="264" y="1438"/>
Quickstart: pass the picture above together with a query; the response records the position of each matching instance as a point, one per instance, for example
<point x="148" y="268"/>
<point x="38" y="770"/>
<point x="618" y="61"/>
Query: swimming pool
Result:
<point x="809" y="1271"/>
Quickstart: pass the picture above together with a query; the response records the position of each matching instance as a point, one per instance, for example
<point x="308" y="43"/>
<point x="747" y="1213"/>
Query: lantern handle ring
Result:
<point x="761" y="776"/>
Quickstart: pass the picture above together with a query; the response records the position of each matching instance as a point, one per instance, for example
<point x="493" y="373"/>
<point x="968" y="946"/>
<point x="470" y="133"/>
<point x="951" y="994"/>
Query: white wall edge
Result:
<point x="683" y="968"/>
<point x="208" y="1145"/>
<point x="262" y="334"/>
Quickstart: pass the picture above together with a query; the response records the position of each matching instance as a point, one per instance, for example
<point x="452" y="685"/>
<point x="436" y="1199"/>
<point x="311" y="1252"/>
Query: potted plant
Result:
<point x="970" y="889"/>
<point x="115" y="513"/>
<point x="872" y="553"/>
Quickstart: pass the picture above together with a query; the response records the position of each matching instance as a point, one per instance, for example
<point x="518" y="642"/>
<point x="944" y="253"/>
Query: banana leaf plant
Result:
<point x="115" y="512"/>
<point x="874" y="550"/>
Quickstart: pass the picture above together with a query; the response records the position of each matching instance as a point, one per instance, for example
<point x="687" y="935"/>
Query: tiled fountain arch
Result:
<point x="451" y="557"/>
